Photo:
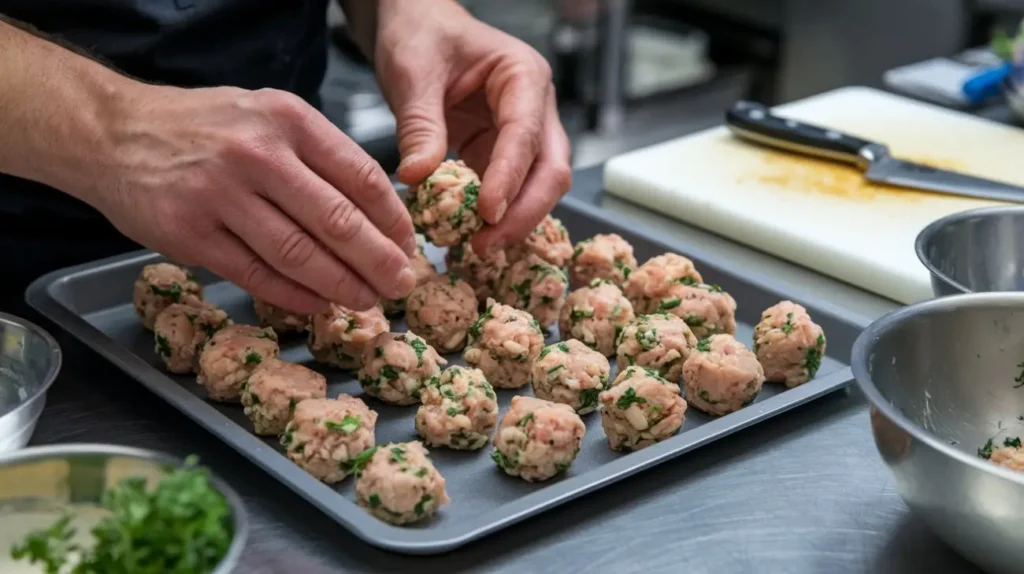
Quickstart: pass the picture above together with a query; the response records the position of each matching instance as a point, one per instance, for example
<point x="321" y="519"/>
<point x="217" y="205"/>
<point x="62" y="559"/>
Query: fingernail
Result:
<point x="409" y="160"/>
<point x="406" y="281"/>
<point x="500" y="212"/>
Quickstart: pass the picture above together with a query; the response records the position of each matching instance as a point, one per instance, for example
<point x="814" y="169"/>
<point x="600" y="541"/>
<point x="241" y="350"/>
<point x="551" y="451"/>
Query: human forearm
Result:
<point x="54" y="105"/>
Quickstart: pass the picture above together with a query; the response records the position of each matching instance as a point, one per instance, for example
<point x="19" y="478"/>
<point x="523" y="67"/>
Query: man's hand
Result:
<point x="260" y="188"/>
<point x="453" y="81"/>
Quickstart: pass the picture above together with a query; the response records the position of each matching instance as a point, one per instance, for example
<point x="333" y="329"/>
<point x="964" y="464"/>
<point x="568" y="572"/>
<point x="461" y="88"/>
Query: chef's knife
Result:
<point x="755" y="122"/>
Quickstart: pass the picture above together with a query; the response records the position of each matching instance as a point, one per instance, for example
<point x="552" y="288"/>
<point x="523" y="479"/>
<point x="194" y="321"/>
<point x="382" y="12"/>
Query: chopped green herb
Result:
<point x="578" y="314"/>
<point x="623" y="268"/>
<point x="563" y="347"/>
<point x="348" y="425"/>
<point x="268" y="335"/>
<point x="397" y="454"/>
<point x="812" y="362"/>
<point x="628" y="398"/>
<point x="554" y="370"/>
<point x="454" y="411"/>
<point x="561" y="466"/>
<point x="647" y="337"/>
<point x="163" y="347"/>
<point x="536" y="326"/>
<point x="704" y="345"/>
<point x="986" y="450"/>
<point x="421" y="473"/>
<point x="1012" y="442"/>
<point x="351" y="325"/>
<point x="356" y="464"/>
<point x="788" y="327"/>
<point x="478" y="327"/>
<point x="390" y="373"/>
<point x="714" y="288"/>
<point x="688" y="281"/>
<point x="588" y="398"/>
<point x="419" y="509"/>
<point x="545" y="351"/>
<point x="670" y="303"/>
<point x="173" y="292"/>
<point x="706" y="397"/>
<point x="191" y="317"/>
<point x="692" y="320"/>
<point x="288" y="435"/>
<point x="523" y="291"/>
<point x="253" y="358"/>
<point x="525" y="420"/>
<point x="500" y="459"/>
<point x="374" y="500"/>
<point x="292" y="403"/>
<point x="378" y="352"/>
<point x="579" y="249"/>
<point x="419" y="346"/>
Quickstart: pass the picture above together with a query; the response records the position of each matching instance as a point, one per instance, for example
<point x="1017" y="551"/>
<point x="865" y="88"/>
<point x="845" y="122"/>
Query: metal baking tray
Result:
<point x="93" y="302"/>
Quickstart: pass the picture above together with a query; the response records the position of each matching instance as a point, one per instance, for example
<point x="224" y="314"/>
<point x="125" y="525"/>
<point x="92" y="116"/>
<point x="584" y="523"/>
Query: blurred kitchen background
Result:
<point x="631" y="73"/>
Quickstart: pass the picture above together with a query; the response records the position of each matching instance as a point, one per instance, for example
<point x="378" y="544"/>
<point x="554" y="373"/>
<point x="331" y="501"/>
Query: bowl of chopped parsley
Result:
<point x="945" y="383"/>
<point x="102" y="509"/>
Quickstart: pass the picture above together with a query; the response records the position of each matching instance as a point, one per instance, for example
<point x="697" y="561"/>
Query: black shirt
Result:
<point x="190" y="43"/>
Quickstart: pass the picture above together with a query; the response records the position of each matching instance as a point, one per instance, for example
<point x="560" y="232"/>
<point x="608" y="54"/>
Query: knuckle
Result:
<point x="347" y="287"/>
<point x="296" y="249"/>
<point x="387" y="267"/>
<point x="254" y="275"/>
<point x="280" y="104"/>
<point x="370" y="177"/>
<point x="249" y="144"/>
<point x="561" y="175"/>
<point x="344" y="221"/>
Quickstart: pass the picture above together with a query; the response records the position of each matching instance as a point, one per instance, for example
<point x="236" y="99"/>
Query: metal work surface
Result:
<point x="93" y="302"/>
<point x="804" y="492"/>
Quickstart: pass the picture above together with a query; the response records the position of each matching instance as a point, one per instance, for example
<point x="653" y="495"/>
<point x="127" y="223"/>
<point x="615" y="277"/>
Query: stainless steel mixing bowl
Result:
<point x="62" y="476"/>
<point x="941" y="377"/>
<point x="975" y="251"/>
<point x="29" y="362"/>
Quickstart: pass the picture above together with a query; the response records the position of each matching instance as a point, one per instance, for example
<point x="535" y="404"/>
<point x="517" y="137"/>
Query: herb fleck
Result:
<point x="424" y="500"/>
<point x="348" y="425"/>
<point x="628" y="398"/>
<point x="670" y="303"/>
<point x="788" y="327"/>
<point x="397" y="454"/>
<point x="163" y="347"/>
<point x="173" y="292"/>
<point x="389" y="373"/>
<point x="588" y="398"/>
<point x="374" y="500"/>
<point x="253" y="358"/>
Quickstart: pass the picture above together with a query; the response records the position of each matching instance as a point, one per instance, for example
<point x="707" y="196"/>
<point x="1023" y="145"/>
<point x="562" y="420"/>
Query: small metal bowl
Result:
<point x="54" y="479"/>
<point x="975" y="251"/>
<point x="29" y="362"/>
<point x="940" y="377"/>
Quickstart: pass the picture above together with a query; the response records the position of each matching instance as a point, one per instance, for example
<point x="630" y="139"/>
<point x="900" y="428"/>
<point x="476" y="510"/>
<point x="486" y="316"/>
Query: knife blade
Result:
<point x="754" y="122"/>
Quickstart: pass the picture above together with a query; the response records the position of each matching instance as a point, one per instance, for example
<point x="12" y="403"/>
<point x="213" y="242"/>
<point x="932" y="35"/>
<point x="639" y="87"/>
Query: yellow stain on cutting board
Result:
<point x="795" y="172"/>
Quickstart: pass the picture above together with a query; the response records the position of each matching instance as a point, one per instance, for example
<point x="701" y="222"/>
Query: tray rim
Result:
<point x="429" y="541"/>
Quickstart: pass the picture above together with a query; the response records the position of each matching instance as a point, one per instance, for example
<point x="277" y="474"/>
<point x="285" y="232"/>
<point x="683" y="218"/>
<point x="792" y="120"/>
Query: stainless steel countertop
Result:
<point x="805" y="492"/>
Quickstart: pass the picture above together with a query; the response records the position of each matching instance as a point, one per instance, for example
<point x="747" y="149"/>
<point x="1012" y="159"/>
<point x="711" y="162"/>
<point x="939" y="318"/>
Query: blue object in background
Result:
<point x="986" y="84"/>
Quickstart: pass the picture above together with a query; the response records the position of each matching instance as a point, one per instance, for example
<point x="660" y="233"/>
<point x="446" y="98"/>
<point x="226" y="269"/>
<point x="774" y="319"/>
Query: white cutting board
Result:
<point x="817" y="213"/>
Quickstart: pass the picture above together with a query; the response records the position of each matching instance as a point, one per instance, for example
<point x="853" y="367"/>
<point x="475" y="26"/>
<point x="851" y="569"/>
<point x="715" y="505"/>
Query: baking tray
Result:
<point x="93" y="302"/>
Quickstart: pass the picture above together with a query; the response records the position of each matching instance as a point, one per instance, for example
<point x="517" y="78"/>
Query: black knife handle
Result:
<point x="755" y="122"/>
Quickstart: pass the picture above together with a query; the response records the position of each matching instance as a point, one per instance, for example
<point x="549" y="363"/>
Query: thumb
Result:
<point x="422" y="136"/>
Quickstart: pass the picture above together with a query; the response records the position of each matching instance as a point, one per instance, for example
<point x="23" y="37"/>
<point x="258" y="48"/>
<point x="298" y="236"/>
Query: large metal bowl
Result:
<point x="29" y="362"/>
<point x="940" y="377"/>
<point x="975" y="251"/>
<point x="56" y="478"/>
